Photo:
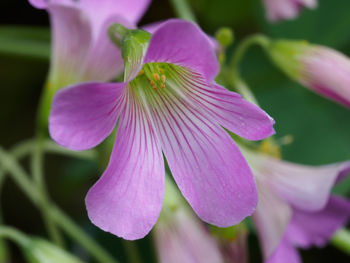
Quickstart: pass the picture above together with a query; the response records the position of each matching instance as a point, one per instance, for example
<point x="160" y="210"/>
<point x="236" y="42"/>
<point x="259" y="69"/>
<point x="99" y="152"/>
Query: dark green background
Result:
<point x="320" y="128"/>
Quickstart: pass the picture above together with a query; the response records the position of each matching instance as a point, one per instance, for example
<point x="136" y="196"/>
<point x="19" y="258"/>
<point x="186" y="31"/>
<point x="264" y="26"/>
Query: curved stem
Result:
<point x="38" y="176"/>
<point x="132" y="251"/>
<point x="14" y="235"/>
<point x="341" y="240"/>
<point x="71" y="229"/>
<point x="257" y="39"/>
<point x="183" y="10"/>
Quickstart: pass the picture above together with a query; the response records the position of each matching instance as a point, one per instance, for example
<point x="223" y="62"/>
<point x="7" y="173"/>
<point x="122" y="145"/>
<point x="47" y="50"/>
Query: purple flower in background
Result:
<point x="295" y="208"/>
<point x="171" y="104"/>
<point x="81" y="48"/>
<point x="307" y="229"/>
<point x="182" y="237"/>
<point x="233" y="243"/>
<point x="286" y="9"/>
<point x="321" y="69"/>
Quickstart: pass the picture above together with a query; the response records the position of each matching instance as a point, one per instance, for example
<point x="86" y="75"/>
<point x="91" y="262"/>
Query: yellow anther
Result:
<point x="141" y="72"/>
<point x="152" y="83"/>
<point x="270" y="148"/>
<point x="161" y="70"/>
<point x="163" y="78"/>
<point x="162" y="85"/>
<point x="156" y="76"/>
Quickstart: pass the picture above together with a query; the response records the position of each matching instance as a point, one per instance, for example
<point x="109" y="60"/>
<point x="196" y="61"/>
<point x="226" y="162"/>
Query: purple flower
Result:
<point x="295" y="208"/>
<point x="286" y="9"/>
<point x="82" y="50"/>
<point x="171" y="104"/>
<point x="307" y="229"/>
<point x="321" y="69"/>
<point x="182" y="237"/>
<point x="233" y="243"/>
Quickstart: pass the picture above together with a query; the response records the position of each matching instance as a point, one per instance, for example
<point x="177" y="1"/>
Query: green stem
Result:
<point x="132" y="251"/>
<point x="341" y="240"/>
<point x="80" y="236"/>
<point x="71" y="229"/>
<point x="232" y="74"/>
<point x="38" y="176"/>
<point x="257" y="39"/>
<point x="14" y="235"/>
<point x="183" y="10"/>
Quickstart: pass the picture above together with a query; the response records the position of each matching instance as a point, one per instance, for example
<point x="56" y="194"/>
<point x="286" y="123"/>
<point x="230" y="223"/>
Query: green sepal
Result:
<point x="133" y="44"/>
<point x="286" y="55"/>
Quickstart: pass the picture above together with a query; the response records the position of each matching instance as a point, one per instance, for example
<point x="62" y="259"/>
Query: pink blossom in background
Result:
<point x="169" y="105"/>
<point x="286" y="9"/>
<point x="321" y="69"/>
<point x="307" y="229"/>
<point x="184" y="238"/>
<point x="327" y="72"/>
<point x="295" y="209"/>
<point x="81" y="49"/>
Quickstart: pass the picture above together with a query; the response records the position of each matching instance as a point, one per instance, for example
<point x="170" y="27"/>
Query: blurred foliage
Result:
<point x="320" y="128"/>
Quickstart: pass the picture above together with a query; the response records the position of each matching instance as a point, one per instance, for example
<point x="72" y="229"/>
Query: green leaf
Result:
<point x="32" y="42"/>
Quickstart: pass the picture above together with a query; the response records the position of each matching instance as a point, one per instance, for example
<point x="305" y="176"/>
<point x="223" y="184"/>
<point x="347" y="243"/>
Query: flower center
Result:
<point x="154" y="74"/>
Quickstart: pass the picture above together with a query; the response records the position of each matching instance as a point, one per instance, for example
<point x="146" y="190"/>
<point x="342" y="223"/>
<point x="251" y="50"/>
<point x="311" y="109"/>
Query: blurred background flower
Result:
<point x="319" y="126"/>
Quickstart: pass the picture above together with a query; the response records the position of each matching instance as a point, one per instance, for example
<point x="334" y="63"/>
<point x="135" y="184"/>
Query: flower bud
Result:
<point x="232" y="242"/>
<point x="180" y="236"/>
<point x="286" y="9"/>
<point x="321" y="69"/>
<point x="225" y="36"/>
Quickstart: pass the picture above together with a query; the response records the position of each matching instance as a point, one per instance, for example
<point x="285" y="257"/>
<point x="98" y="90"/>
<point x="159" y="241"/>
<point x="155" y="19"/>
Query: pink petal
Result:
<point x="205" y="162"/>
<point x="68" y="53"/>
<point x="184" y="238"/>
<point x="82" y="50"/>
<point x="316" y="228"/>
<point x="127" y="199"/>
<point x="271" y="218"/>
<point x="230" y="110"/>
<point x="305" y="187"/>
<point x="327" y="72"/>
<point x="183" y="43"/>
<point x="131" y="10"/>
<point x="38" y="3"/>
<point x="153" y="27"/>
<point x="104" y="61"/>
<point x="82" y="116"/>
<point x="285" y="253"/>
<point x="286" y="9"/>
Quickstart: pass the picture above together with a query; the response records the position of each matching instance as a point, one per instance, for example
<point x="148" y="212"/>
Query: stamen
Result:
<point x="162" y="85"/>
<point x="156" y="76"/>
<point x="163" y="78"/>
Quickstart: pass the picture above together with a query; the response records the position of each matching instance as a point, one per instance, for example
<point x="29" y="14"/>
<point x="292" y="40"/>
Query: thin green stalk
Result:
<point x="71" y="229"/>
<point x="232" y="74"/>
<point x="132" y="251"/>
<point x="242" y="48"/>
<point x="80" y="236"/>
<point x="38" y="176"/>
<point x="183" y="10"/>
<point x="14" y="235"/>
<point x="341" y="240"/>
